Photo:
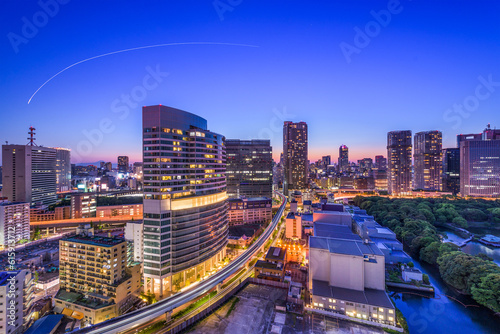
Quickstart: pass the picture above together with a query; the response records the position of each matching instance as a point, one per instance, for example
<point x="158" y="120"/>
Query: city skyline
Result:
<point x="266" y="81"/>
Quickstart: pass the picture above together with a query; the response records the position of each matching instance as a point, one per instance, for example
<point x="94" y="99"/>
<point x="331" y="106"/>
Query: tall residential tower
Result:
<point x="428" y="160"/>
<point x="399" y="162"/>
<point x="343" y="159"/>
<point x="295" y="157"/>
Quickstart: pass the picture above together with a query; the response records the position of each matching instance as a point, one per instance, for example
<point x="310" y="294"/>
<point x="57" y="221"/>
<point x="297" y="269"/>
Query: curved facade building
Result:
<point x="185" y="207"/>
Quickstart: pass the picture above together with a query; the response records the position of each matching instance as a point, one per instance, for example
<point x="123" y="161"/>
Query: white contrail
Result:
<point x="137" y="48"/>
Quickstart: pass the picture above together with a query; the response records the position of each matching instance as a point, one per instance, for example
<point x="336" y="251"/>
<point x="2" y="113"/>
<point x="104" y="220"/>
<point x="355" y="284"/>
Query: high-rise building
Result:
<point x="14" y="222"/>
<point x="108" y="166"/>
<point x="451" y="170"/>
<point x="185" y="208"/>
<point x="29" y="174"/>
<point x="123" y="164"/>
<point x="63" y="169"/>
<point x="83" y="205"/>
<point x="295" y="158"/>
<point x="380" y="162"/>
<point x="138" y="170"/>
<point x="134" y="235"/>
<point x="326" y="161"/>
<point x="480" y="164"/>
<point x="16" y="299"/>
<point x="399" y="158"/>
<point x="343" y="159"/>
<point x="428" y="160"/>
<point x="95" y="283"/>
<point x="249" y="168"/>
<point x="365" y="165"/>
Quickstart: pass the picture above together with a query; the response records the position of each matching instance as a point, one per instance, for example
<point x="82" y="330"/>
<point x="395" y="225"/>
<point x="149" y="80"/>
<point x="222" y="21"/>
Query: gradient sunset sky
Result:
<point x="407" y="73"/>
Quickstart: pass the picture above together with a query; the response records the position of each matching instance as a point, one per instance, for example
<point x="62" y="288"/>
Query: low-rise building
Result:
<point x="243" y="235"/>
<point x="293" y="226"/>
<point x="385" y="239"/>
<point x="256" y="210"/>
<point x="47" y="280"/>
<point x="411" y="274"/>
<point x="119" y="210"/>
<point x="347" y="275"/>
<point x="273" y="266"/>
<point x="41" y="214"/>
<point x="62" y="212"/>
<point x="46" y="325"/>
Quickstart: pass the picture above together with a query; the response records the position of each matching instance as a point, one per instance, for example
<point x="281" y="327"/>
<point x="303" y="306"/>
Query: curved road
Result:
<point x="130" y="320"/>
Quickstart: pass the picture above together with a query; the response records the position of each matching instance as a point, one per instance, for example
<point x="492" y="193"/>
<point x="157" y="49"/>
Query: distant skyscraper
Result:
<point x="249" y="168"/>
<point x="428" y="160"/>
<point x="472" y="136"/>
<point x="380" y="162"/>
<point x="63" y="169"/>
<point x="399" y="159"/>
<point x="480" y="164"/>
<point x="326" y="161"/>
<point x="295" y="158"/>
<point x="343" y="159"/>
<point x="29" y="174"/>
<point x="185" y="208"/>
<point x="451" y="170"/>
<point x="365" y="165"/>
<point x="123" y="164"/>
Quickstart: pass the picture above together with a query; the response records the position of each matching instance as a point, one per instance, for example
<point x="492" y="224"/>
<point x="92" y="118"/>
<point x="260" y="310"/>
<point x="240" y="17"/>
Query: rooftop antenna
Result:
<point x="31" y="137"/>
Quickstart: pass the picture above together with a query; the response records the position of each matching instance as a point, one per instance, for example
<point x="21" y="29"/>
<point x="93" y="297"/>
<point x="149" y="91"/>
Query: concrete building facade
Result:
<point x="95" y="283"/>
<point x="83" y="205"/>
<point x="134" y="235"/>
<point x="16" y="301"/>
<point x="14" y="222"/>
<point x="256" y="210"/>
<point x="29" y="174"/>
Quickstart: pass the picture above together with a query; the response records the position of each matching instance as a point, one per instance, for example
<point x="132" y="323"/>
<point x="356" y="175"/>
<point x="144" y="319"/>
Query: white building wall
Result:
<point x="319" y="265"/>
<point x="346" y="271"/>
<point x="333" y="217"/>
<point x="134" y="233"/>
<point x="14" y="222"/>
<point x="11" y="303"/>
<point x="375" y="274"/>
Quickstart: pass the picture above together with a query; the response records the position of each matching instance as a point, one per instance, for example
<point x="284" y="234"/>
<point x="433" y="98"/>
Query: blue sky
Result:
<point x="407" y="72"/>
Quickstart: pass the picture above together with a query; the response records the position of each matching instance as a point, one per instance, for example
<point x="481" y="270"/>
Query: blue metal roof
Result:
<point x="45" y="325"/>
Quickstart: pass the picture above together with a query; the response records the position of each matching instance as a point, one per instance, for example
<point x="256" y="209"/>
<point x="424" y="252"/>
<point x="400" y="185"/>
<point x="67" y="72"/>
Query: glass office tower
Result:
<point x="185" y="209"/>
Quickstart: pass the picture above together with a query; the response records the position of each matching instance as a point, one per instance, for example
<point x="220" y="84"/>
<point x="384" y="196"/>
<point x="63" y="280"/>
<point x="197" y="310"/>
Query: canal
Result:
<point x="448" y="312"/>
